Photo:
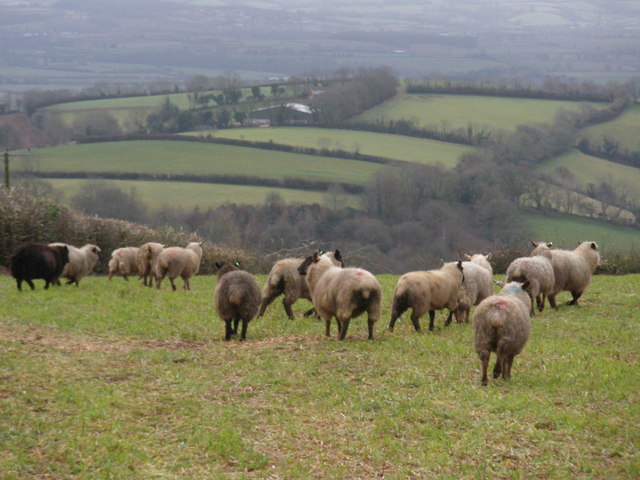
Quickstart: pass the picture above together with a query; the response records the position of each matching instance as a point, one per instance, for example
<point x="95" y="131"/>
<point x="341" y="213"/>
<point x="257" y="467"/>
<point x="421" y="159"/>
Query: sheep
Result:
<point x="34" y="260"/>
<point x="502" y="324"/>
<point x="572" y="269"/>
<point x="146" y="259"/>
<point x="284" y="278"/>
<point x="178" y="262"/>
<point x="123" y="262"/>
<point x="237" y="297"/>
<point x="429" y="290"/>
<point x="538" y="270"/>
<point x="477" y="285"/>
<point x="343" y="293"/>
<point x="81" y="262"/>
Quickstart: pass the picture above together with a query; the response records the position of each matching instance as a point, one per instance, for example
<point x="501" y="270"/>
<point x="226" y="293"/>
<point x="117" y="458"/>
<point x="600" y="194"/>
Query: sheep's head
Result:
<point x="226" y="267"/>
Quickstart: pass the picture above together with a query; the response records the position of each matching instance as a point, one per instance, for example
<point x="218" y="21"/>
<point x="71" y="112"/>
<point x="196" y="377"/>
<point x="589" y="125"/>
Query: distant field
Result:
<point x="587" y="169"/>
<point x="458" y="111"/>
<point x="156" y="195"/>
<point x="625" y="129"/>
<point x="196" y="158"/>
<point x="384" y="145"/>
<point x="566" y="232"/>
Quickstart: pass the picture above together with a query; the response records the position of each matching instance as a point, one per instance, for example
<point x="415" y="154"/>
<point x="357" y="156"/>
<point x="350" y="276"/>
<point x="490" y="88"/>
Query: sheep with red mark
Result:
<point x="502" y="324"/>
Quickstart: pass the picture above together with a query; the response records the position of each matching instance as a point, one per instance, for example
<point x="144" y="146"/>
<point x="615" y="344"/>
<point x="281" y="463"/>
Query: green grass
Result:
<point x="156" y="195"/>
<point x="587" y="169"/>
<point x="112" y="380"/>
<point x="196" y="158"/>
<point x="567" y="231"/>
<point x="383" y="145"/>
<point x="623" y="129"/>
<point x="458" y="111"/>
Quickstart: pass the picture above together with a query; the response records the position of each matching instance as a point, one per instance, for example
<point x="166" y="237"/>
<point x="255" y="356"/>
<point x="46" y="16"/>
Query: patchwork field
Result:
<point x="460" y="111"/>
<point x="165" y="157"/>
<point x="390" y="146"/>
<point x="623" y="129"/>
<point x="587" y="169"/>
<point x="114" y="380"/>
<point x="156" y="195"/>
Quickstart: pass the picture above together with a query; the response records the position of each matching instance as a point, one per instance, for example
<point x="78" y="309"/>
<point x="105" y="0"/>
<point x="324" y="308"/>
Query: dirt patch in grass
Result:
<point x="76" y="343"/>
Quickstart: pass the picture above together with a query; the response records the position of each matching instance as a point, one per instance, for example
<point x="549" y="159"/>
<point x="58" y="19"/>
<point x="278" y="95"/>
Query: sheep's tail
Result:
<point x="401" y="300"/>
<point x="236" y="297"/>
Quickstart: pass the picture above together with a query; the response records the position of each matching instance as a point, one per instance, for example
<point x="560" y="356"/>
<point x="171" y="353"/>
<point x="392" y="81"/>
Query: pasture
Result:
<point x="587" y="169"/>
<point x="196" y="158"/>
<point x="383" y="145"/>
<point x="185" y="195"/>
<point x="113" y="380"/>
<point x="460" y="111"/>
<point x="623" y="129"/>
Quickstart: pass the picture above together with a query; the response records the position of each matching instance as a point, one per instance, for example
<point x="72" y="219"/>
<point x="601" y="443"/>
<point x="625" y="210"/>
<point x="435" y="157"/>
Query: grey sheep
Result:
<point x="572" y="269"/>
<point x="237" y="297"/>
<point x="343" y="293"/>
<point x="502" y="324"/>
<point x="427" y="291"/>
<point x="123" y="262"/>
<point x="477" y="285"/>
<point x="538" y="270"/>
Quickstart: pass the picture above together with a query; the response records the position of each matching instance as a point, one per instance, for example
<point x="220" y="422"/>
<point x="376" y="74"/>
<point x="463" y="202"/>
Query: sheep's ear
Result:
<point x="316" y="257"/>
<point x="460" y="265"/>
<point x="525" y="285"/>
<point x="218" y="265"/>
<point x="488" y="256"/>
<point x="549" y="244"/>
<point x="594" y="245"/>
<point x="237" y="264"/>
<point x="468" y="257"/>
<point x="337" y="255"/>
<point x="321" y="252"/>
<point x="535" y="244"/>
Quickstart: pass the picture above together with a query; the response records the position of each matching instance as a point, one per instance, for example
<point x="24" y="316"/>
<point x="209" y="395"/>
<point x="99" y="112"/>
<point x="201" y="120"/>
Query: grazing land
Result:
<point x="567" y="231"/>
<point x="196" y="158"/>
<point x="185" y="195"/>
<point x="623" y="129"/>
<point x="114" y="380"/>
<point x="460" y="111"/>
<point x="383" y="145"/>
<point x="587" y="169"/>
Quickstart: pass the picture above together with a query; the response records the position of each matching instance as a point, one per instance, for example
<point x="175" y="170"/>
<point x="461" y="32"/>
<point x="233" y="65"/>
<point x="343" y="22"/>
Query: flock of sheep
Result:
<point x="501" y="321"/>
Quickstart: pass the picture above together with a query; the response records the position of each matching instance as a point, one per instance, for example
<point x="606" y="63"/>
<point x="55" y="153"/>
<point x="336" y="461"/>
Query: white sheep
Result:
<point x="123" y="262"/>
<point x="177" y="262"/>
<point x="146" y="260"/>
<point x="343" y="293"/>
<point x="81" y="261"/>
<point x="572" y="269"/>
<point x="502" y="324"/>
<point x="477" y="285"/>
<point x="427" y="291"/>
<point x="538" y="270"/>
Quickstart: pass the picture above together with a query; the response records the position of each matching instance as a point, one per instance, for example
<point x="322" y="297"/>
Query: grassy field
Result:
<point x="458" y="111"/>
<point x="156" y="195"/>
<point x="383" y="145"/>
<point x="195" y="158"/>
<point x="113" y="380"/>
<point x="566" y="232"/>
<point x="587" y="169"/>
<point x="623" y="129"/>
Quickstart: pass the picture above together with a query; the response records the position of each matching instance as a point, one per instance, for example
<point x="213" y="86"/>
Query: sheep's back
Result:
<point x="501" y="317"/>
<point x="237" y="295"/>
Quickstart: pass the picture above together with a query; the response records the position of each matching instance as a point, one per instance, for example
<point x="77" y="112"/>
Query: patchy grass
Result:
<point x="623" y="129"/>
<point x="113" y="380"/>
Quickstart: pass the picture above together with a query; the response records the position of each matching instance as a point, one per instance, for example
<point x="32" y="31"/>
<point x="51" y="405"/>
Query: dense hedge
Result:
<point x="24" y="218"/>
